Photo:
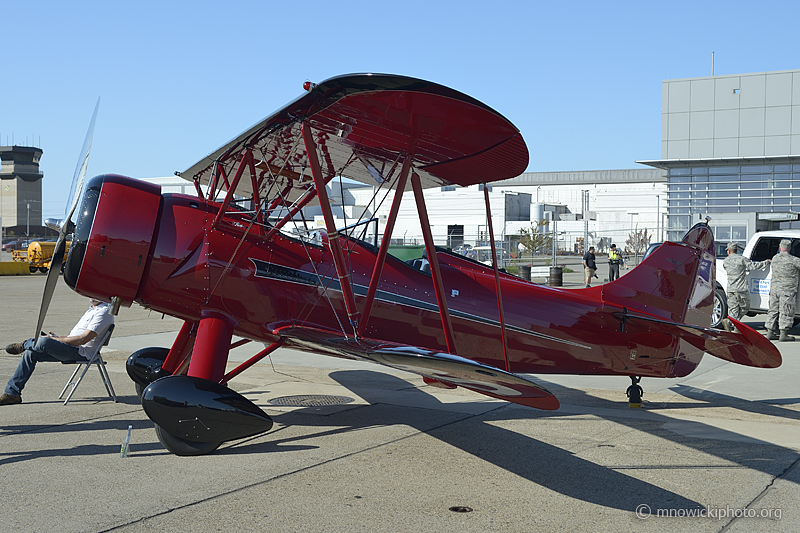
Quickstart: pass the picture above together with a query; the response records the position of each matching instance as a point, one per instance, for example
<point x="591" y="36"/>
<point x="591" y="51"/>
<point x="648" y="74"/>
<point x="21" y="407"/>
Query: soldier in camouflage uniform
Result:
<point x="736" y="266"/>
<point x="782" y="293"/>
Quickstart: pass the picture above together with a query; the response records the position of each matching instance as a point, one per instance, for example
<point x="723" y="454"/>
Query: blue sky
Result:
<point x="581" y="80"/>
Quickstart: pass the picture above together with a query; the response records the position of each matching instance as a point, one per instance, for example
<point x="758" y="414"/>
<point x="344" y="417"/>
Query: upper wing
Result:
<point x="365" y="125"/>
<point x="439" y="366"/>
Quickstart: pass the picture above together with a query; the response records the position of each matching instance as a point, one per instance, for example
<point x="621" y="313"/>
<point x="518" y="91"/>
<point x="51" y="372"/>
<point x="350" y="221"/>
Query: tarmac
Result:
<point x="715" y="451"/>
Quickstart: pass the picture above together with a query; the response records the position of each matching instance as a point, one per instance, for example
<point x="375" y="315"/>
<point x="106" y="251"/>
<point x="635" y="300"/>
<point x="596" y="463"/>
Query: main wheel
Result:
<point x="178" y="446"/>
<point x="720" y="309"/>
<point x="43" y="270"/>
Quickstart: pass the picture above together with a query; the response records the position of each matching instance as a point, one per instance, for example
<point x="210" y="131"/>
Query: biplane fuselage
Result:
<point x="265" y="286"/>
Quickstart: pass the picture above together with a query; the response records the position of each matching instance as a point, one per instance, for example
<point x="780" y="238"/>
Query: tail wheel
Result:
<point x="185" y="448"/>
<point x="720" y="309"/>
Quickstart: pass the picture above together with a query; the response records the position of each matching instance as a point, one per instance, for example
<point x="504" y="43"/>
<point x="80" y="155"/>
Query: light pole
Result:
<point x="585" y="202"/>
<point x="555" y="242"/>
<point x="505" y="220"/>
<point x="658" y="217"/>
<point x="28" y="227"/>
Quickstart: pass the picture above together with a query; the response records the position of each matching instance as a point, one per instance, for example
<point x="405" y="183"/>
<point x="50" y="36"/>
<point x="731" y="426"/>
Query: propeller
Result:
<point x="64" y="226"/>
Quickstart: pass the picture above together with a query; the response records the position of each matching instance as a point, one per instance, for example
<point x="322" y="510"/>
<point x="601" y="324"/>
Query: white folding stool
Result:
<point x="95" y="359"/>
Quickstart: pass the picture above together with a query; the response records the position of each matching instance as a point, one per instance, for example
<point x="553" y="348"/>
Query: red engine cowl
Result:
<point x="111" y="246"/>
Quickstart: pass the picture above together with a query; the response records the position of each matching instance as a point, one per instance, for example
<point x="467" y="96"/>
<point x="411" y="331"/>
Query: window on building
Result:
<point x="455" y="235"/>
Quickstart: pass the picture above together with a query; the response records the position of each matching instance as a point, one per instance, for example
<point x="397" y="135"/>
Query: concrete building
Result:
<point x="731" y="148"/>
<point x="20" y="190"/>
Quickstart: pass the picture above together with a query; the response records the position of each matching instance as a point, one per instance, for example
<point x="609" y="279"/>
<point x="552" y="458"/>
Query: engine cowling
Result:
<point x="113" y="237"/>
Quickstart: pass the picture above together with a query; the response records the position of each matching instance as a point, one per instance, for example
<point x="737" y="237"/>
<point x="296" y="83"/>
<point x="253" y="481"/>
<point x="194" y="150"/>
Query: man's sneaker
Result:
<point x="15" y="348"/>
<point x="9" y="399"/>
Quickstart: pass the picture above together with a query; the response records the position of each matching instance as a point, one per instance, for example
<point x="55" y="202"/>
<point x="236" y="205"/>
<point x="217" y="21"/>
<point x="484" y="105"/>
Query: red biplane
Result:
<point x="225" y="262"/>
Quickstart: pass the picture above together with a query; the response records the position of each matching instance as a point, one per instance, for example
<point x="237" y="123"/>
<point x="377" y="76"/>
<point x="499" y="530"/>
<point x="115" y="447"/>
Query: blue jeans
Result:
<point x="41" y="349"/>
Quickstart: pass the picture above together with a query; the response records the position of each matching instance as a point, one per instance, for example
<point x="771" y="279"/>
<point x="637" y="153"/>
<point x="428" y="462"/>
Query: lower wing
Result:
<point x="438" y="366"/>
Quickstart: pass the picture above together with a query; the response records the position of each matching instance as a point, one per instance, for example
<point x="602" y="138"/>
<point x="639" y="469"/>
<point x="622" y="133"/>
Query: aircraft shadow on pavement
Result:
<point x="83" y="450"/>
<point x="544" y="464"/>
<point x="79" y="426"/>
<point x="717" y="399"/>
<point x="761" y="456"/>
<point x="541" y="463"/>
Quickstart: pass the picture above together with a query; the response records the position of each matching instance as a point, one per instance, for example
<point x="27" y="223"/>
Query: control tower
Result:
<point x="21" y="190"/>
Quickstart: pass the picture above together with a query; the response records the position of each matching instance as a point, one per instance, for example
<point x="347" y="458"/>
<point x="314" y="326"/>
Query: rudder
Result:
<point x="675" y="282"/>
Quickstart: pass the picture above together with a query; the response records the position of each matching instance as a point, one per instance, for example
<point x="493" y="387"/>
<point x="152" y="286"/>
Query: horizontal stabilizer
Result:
<point x="747" y="347"/>
<point x="432" y="364"/>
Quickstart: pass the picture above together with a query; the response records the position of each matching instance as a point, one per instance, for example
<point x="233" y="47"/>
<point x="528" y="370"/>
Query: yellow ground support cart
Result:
<point x="38" y="255"/>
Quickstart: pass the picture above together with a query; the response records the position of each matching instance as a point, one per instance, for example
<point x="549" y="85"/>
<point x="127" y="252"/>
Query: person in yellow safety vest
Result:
<point x="614" y="260"/>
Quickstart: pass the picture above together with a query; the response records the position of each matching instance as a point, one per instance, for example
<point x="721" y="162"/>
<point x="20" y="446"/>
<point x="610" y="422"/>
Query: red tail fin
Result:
<point x="675" y="282"/>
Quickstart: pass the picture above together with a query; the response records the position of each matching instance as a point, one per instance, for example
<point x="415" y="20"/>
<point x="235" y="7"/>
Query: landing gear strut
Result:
<point x="634" y="393"/>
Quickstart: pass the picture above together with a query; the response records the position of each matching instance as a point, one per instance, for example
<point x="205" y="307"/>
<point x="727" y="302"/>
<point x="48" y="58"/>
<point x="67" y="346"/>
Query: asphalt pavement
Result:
<point x="715" y="451"/>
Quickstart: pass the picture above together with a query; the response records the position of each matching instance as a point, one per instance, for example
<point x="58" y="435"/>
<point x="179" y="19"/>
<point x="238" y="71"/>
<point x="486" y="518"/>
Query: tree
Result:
<point x="537" y="237"/>
<point x="638" y="241"/>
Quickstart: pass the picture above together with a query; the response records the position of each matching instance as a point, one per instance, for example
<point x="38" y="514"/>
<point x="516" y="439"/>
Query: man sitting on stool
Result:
<point x="79" y="343"/>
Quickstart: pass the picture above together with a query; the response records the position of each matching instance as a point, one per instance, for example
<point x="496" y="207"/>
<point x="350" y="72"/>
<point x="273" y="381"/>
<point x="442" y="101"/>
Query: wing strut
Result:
<point x="496" y="276"/>
<point x="217" y="172"/>
<point x="300" y="204"/>
<point x="247" y="161"/>
<point x="333" y="236"/>
<point x="384" y="249"/>
<point x="281" y="198"/>
<point x="430" y="249"/>
<point x="180" y="348"/>
<point x="250" y="362"/>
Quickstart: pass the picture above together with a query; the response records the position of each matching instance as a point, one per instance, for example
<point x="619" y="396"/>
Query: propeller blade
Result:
<point x="72" y="204"/>
<point x="50" y="282"/>
<point x="80" y="172"/>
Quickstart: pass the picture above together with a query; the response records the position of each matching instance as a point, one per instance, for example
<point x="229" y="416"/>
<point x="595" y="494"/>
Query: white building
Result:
<point x="619" y="202"/>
